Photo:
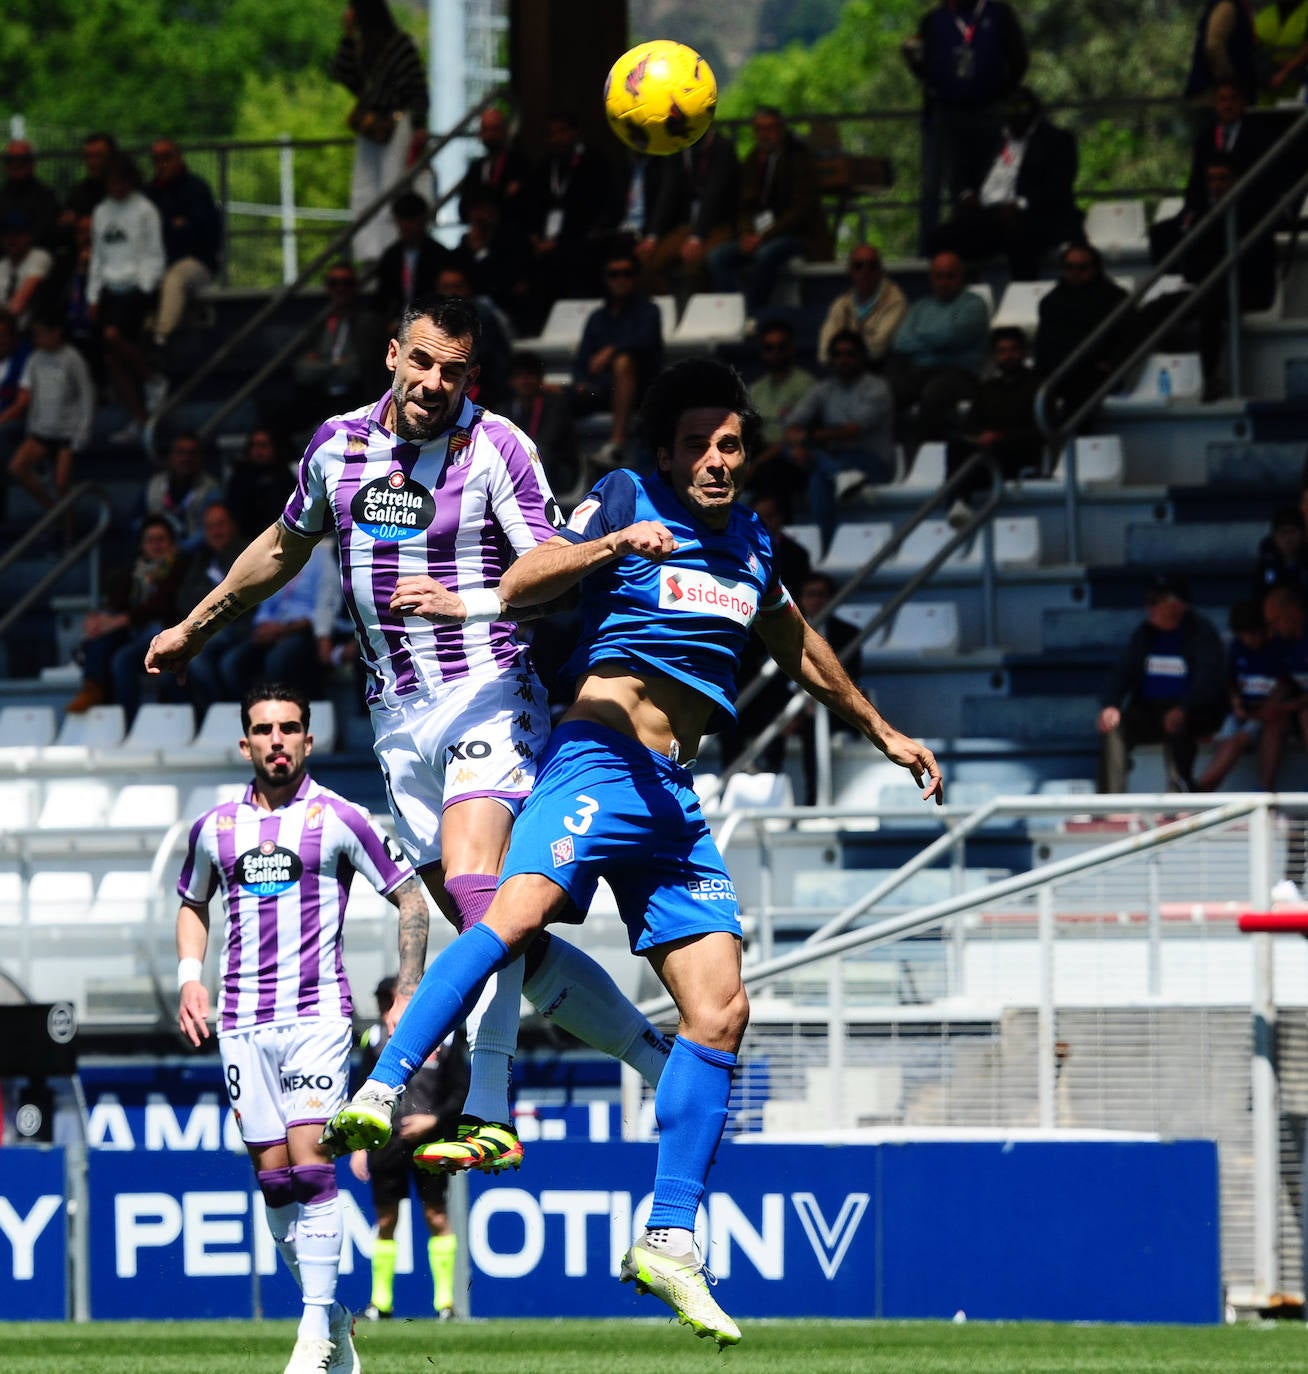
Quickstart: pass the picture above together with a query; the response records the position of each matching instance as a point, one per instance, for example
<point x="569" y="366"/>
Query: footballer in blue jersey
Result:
<point x="673" y="577"/>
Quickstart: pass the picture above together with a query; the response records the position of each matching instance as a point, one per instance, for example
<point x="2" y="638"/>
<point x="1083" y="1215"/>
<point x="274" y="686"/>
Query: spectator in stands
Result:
<point x="258" y="485"/>
<point x="495" y="257"/>
<point x="874" y="305"/>
<point x="23" y="191"/>
<point x="780" y="213"/>
<point x="89" y="190"/>
<point x="937" y="353"/>
<point x="1286" y="707"/>
<point x="1168" y="687"/>
<point x="183" y="490"/>
<point x="696" y="211"/>
<point x="968" y="55"/>
<point x="1224" y="134"/>
<point x="1084" y="297"/>
<point x="774" y="396"/>
<point x="378" y="63"/>
<point x="1253" y="669"/>
<point x="290" y="637"/>
<point x="138" y="600"/>
<point x="1025" y="204"/>
<point x="644" y="177"/>
<point x="1282" y="559"/>
<point x="841" y="434"/>
<point x="572" y="205"/>
<point x="1280" y="48"/>
<point x="330" y="374"/>
<point x="127" y="264"/>
<point x="192" y="236"/>
<point x="57" y="399"/>
<point x="545" y="416"/>
<point x="14" y="351"/>
<point x="620" y="352"/>
<point x="492" y="384"/>
<point x="1223" y="50"/>
<point x="790" y="557"/>
<point x="24" y="268"/>
<point x="409" y="267"/>
<point x="501" y="170"/>
<point x="206" y="568"/>
<point x="1001" y="422"/>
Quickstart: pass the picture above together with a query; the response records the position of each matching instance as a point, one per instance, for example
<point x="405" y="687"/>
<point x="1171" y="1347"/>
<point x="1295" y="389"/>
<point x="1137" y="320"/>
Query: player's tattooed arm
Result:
<point x="213" y="616"/>
<point x="411" y="899"/>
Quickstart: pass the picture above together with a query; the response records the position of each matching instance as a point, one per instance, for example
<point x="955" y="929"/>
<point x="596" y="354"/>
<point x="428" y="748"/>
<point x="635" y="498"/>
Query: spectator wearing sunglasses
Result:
<point x="874" y="306"/>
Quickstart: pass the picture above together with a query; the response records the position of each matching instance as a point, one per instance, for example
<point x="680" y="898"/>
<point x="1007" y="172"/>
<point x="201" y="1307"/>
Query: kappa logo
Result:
<point x="225" y="823"/>
<point x="830" y="1241"/>
<point x="562" y="851"/>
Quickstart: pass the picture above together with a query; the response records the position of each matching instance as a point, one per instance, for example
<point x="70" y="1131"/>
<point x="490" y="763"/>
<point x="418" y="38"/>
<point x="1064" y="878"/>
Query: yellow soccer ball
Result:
<point x="660" y="97"/>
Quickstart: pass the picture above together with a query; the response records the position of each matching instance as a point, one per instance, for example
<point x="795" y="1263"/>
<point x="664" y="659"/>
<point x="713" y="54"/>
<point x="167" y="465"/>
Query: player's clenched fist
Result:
<point x="170" y="650"/>
<point x="648" y="539"/>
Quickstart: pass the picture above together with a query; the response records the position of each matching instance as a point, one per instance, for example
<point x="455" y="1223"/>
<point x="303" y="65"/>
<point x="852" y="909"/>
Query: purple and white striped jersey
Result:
<point x="460" y="509"/>
<point x="285" y="876"/>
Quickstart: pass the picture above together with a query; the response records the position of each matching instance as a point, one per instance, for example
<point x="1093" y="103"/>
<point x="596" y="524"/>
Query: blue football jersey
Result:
<point x="687" y="617"/>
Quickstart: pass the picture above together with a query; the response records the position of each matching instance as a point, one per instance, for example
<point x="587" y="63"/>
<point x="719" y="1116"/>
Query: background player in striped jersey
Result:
<point x="673" y="576"/>
<point x="432" y="499"/>
<point x="282" y="859"/>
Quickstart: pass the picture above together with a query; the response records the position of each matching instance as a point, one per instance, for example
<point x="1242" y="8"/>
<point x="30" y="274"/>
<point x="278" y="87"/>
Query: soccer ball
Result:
<point x="660" y="97"/>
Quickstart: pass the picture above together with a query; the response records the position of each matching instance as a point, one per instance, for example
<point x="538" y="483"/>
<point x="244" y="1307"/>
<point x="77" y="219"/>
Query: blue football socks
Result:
<point x="447" y="993"/>
<point x="690" y="1105"/>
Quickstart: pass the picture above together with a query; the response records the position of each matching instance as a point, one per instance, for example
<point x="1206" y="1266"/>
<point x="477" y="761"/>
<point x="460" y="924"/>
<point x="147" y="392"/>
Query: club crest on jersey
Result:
<point x="268" y="870"/>
<point x="313" y="817"/>
<point x="691" y="590"/>
<point x="392" y="508"/>
<point x="562" y="851"/>
<point x="355" y="445"/>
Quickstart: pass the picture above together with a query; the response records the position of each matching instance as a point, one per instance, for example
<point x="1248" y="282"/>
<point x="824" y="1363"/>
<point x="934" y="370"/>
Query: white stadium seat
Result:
<point x="754" y="791"/>
<point x="163" y="727"/>
<point x="58" y="897"/>
<point x="75" y="804"/>
<point x="853" y="544"/>
<point x="1098" y="461"/>
<point x="926" y="541"/>
<point x="1017" y="541"/>
<point x="1117" y="227"/>
<point x="208" y="795"/>
<point x="987" y="294"/>
<point x="11" y="897"/>
<point x="216" y="741"/>
<point x="928" y="470"/>
<point x="102" y="727"/>
<point x="322" y="725"/>
<point x="711" y="317"/>
<point x="142" y="804"/>
<point x="667" y="313"/>
<point x="1168" y="208"/>
<point x="919" y="627"/>
<point x="122" y="898"/>
<point x="1185" y="377"/>
<point x="809" y="538"/>
<point x="20" y="803"/>
<point x="1019" y="307"/>
<point x="26" y="727"/>
<point x="563" y="327"/>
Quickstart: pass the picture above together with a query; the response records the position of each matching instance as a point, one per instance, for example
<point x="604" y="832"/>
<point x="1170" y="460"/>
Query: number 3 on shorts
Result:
<point x="585" y="814"/>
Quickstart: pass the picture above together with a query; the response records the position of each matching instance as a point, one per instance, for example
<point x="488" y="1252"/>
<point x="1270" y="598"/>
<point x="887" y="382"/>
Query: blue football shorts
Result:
<point x="605" y="806"/>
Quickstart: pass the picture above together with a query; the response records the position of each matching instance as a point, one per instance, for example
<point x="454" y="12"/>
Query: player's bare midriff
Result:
<point x="654" y="710"/>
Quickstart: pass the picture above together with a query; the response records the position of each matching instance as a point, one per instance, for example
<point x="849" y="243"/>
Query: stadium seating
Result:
<point x="1019" y="307"/>
<point x="561" y="332"/>
<point x="1099" y="461"/>
<point x="102" y="727"/>
<point x="215" y="743"/>
<point x="918" y="627"/>
<point x="755" y="791"/>
<point x="1117" y="228"/>
<point x="59" y="896"/>
<point x="927" y="472"/>
<point x="161" y="728"/>
<point x="122" y="897"/>
<point x="20" y="802"/>
<point x="207" y="796"/>
<point x="80" y="804"/>
<point x="26" y="727"/>
<point x="853" y="544"/>
<point x="710" y="317"/>
<point x="1185" y="378"/>
<point x="143" y="804"/>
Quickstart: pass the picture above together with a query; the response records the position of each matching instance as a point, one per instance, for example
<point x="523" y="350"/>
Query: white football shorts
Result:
<point x="290" y="1074"/>
<point x="476" y="739"/>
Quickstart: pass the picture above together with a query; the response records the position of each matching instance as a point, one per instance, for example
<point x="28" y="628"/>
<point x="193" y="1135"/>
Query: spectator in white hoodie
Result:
<point x="127" y="262"/>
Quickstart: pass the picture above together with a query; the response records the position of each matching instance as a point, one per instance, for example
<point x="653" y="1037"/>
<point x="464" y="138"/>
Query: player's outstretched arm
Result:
<point x="807" y="658"/>
<point x="553" y="568"/>
<point x="268" y="563"/>
<point x="193" y="1003"/>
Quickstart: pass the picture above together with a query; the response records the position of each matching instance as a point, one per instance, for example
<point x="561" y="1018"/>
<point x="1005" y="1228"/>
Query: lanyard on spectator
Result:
<point x="967" y="30"/>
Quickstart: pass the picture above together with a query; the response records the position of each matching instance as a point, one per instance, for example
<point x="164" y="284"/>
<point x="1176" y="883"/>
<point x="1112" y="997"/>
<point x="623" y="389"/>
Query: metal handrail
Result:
<point x="83" y="544"/>
<point x="887" y="613"/>
<point x="435" y="144"/>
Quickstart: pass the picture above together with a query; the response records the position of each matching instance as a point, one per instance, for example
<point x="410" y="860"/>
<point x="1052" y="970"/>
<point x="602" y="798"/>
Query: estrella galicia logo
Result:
<point x="393" y="507"/>
<point x="268" y="870"/>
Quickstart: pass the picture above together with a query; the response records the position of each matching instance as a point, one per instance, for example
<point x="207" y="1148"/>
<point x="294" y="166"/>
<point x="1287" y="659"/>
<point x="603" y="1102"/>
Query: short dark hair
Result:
<point x="1246" y="616"/>
<point x="691" y="384"/>
<point x="163" y="522"/>
<point x="524" y="360"/>
<point x="826" y="579"/>
<point x="850" y="337"/>
<point x="777" y="326"/>
<point x="1164" y="586"/>
<point x="273" y="691"/>
<point x="452" y="315"/>
<point x="409" y="205"/>
<point x="1010" y="332"/>
<point x="1095" y="256"/>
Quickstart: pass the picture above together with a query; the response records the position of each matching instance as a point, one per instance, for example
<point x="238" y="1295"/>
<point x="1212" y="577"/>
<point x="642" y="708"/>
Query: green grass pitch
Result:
<point x="659" y="1347"/>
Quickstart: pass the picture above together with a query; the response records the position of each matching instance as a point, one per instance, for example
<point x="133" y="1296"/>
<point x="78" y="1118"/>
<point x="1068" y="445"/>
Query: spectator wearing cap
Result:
<point x="1253" y="673"/>
<point x="1168" y="687"/>
<point x="874" y="305"/>
<point x="24" y="191"/>
<point x="1286" y="708"/>
<point x="1282" y="559"/>
<point x="23" y="268"/>
<point x="408" y="269"/>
